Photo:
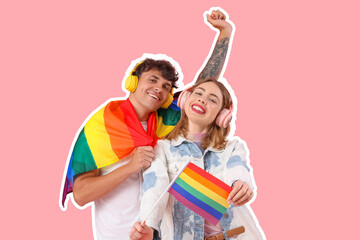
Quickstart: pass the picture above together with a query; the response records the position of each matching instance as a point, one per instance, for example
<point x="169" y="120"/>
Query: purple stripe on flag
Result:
<point x="200" y="203"/>
<point x="194" y="208"/>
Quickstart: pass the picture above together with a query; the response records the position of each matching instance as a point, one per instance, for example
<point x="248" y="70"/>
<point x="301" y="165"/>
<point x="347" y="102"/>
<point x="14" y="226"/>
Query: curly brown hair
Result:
<point x="166" y="69"/>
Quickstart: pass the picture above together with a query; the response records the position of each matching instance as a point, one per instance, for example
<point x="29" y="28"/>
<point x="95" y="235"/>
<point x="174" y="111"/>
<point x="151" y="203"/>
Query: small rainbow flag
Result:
<point x="201" y="192"/>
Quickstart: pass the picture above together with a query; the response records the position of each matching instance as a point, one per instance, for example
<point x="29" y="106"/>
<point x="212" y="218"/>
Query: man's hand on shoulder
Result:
<point x="142" y="158"/>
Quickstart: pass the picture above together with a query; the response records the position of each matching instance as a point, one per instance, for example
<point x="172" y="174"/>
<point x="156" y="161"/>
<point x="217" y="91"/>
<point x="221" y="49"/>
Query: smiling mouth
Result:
<point x="198" y="109"/>
<point x="154" y="96"/>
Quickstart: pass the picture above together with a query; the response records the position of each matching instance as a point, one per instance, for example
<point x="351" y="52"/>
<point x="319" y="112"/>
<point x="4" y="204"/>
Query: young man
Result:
<point x="114" y="186"/>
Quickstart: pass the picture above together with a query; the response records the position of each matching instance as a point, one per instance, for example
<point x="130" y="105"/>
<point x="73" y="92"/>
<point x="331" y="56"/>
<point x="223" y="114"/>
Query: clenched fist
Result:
<point x="141" y="158"/>
<point x="218" y="20"/>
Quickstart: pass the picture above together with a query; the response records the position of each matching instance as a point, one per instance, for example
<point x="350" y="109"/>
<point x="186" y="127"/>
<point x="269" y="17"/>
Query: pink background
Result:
<point x="294" y="66"/>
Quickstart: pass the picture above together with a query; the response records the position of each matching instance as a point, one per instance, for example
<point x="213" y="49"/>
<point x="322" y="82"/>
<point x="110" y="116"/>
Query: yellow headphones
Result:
<point x="131" y="83"/>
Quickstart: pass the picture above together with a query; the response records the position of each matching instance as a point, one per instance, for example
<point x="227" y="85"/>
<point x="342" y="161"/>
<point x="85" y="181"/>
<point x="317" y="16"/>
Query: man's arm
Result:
<point x="216" y="62"/>
<point x="90" y="186"/>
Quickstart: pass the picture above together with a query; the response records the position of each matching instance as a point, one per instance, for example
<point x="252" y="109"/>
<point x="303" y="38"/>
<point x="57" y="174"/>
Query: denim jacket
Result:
<point x="175" y="221"/>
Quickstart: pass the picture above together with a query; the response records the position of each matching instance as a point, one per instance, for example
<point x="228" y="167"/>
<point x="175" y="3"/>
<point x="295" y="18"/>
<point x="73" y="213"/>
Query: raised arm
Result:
<point x="216" y="62"/>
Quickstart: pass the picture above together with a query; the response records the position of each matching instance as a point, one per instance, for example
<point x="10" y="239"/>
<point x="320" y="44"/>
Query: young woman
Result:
<point x="200" y="136"/>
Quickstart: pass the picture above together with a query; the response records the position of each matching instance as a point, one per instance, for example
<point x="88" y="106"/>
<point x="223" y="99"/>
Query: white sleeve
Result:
<point x="156" y="180"/>
<point x="237" y="166"/>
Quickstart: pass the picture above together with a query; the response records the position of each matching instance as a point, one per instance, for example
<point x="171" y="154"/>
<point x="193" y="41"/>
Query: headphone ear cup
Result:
<point x="168" y="101"/>
<point x="131" y="83"/>
<point x="183" y="97"/>
<point x="224" y="117"/>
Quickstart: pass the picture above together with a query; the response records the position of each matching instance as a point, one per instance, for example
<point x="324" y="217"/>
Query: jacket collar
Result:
<point x="181" y="139"/>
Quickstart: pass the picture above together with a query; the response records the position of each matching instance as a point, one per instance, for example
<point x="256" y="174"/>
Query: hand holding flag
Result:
<point x="199" y="191"/>
<point x="240" y="194"/>
<point x="140" y="231"/>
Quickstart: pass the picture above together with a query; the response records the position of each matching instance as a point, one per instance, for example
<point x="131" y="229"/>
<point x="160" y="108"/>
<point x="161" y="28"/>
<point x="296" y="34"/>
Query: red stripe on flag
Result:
<point x="136" y="130"/>
<point x="121" y="141"/>
<point x="210" y="177"/>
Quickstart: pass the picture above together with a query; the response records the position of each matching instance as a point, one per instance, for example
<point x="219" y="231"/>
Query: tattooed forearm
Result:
<point x="216" y="62"/>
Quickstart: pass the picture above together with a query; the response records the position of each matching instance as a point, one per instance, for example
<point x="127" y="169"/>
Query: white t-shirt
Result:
<point x="116" y="212"/>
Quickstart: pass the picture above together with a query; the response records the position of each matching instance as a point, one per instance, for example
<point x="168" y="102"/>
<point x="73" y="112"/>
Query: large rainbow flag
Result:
<point x="111" y="134"/>
<point x="201" y="192"/>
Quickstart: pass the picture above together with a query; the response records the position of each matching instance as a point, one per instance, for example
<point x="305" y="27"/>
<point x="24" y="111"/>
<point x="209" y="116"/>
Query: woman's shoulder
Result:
<point x="163" y="142"/>
<point x="236" y="142"/>
<point x="177" y="141"/>
<point x="163" y="145"/>
<point x="167" y="146"/>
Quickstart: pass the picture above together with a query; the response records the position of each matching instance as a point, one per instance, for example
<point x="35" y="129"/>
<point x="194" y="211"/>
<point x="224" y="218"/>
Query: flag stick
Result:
<point x="167" y="189"/>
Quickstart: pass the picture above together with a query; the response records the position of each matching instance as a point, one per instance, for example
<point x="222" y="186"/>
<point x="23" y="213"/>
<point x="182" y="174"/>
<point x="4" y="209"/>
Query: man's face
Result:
<point x="152" y="90"/>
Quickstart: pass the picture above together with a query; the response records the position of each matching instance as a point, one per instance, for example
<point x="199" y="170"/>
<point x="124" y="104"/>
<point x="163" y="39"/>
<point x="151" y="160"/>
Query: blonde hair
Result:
<point x="216" y="136"/>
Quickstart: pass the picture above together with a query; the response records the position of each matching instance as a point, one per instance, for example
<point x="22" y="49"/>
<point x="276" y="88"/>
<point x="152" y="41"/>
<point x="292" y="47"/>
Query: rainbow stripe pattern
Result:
<point x="201" y="192"/>
<point x="111" y="134"/>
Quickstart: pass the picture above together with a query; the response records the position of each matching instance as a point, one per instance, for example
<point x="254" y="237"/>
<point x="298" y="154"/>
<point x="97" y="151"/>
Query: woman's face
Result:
<point x="204" y="104"/>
